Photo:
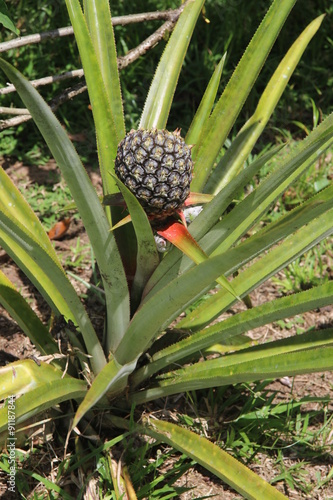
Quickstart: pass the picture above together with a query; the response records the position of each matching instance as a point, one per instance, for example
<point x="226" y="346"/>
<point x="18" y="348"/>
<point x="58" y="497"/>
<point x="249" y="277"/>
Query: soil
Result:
<point x="15" y="345"/>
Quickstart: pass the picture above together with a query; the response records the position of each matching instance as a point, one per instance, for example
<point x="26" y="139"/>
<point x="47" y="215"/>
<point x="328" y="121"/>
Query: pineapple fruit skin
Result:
<point x="156" y="166"/>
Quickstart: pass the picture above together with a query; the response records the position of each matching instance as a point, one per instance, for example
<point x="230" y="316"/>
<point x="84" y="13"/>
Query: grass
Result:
<point x="246" y="420"/>
<point x="79" y="256"/>
<point x="47" y="201"/>
<point x="309" y="270"/>
<point x="315" y="266"/>
<point x="256" y="429"/>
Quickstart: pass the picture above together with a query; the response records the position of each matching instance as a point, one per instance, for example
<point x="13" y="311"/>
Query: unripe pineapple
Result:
<point x="156" y="166"/>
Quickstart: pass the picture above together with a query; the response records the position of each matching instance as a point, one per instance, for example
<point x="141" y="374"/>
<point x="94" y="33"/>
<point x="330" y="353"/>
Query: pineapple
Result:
<point x="156" y="166"/>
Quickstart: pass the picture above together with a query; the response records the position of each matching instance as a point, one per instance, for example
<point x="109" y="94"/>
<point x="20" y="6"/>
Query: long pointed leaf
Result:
<point x="107" y="133"/>
<point x="217" y="461"/>
<point x="307" y="353"/>
<point x="50" y="280"/>
<point x="14" y="202"/>
<point x="18" y="211"/>
<point x="262" y="269"/>
<point x="44" y="386"/>
<point x="250" y="319"/>
<point x="209" y="456"/>
<point x="206" y="105"/>
<point x="25" y="317"/>
<point x="147" y="256"/>
<point x="98" y="16"/>
<point x="86" y="199"/>
<point x="156" y="110"/>
<point x="292" y="165"/>
<point x="233" y="160"/>
<point x="237" y="90"/>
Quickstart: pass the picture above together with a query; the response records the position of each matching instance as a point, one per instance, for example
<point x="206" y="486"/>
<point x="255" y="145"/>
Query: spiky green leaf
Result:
<point x="204" y="110"/>
<point x="307" y="353"/>
<point x="98" y="17"/>
<point x="233" y="326"/>
<point x="262" y="269"/>
<point x="237" y="90"/>
<point x="25" y="317"/>
<point x="156" y="110"/>
<point x="147" y="256"/>
<point x="42" y="386"/>
<point x="87" y="202"/>
<point x="207" y="454"/>
<point x="106" y="131"/>
<point x="233" y="160"/>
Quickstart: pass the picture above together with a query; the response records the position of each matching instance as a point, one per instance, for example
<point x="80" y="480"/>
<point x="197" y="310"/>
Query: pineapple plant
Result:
<point x="138" y="360"/>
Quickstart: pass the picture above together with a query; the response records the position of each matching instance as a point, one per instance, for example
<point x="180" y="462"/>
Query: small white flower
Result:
<point x="191" y="213"/>
<point x="161" y="244"/>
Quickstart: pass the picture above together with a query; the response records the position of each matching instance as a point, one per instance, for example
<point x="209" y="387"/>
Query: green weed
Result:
<point x="47" y="200"/>
<point x="313" y="268"/>
<point x="79" y="255"/>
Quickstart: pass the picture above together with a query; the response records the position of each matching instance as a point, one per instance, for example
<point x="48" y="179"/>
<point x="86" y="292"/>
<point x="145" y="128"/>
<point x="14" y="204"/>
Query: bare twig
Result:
<point x="35" y="38"/>
<point x="68" y="94"/>
<point x="46" y="80"/>
<point x="13" y="122"/>
<point x="54" y="104"/>
<point x="151" y="41"/>
<point x="120" y="20"/>
<point x="13" y="111"/>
